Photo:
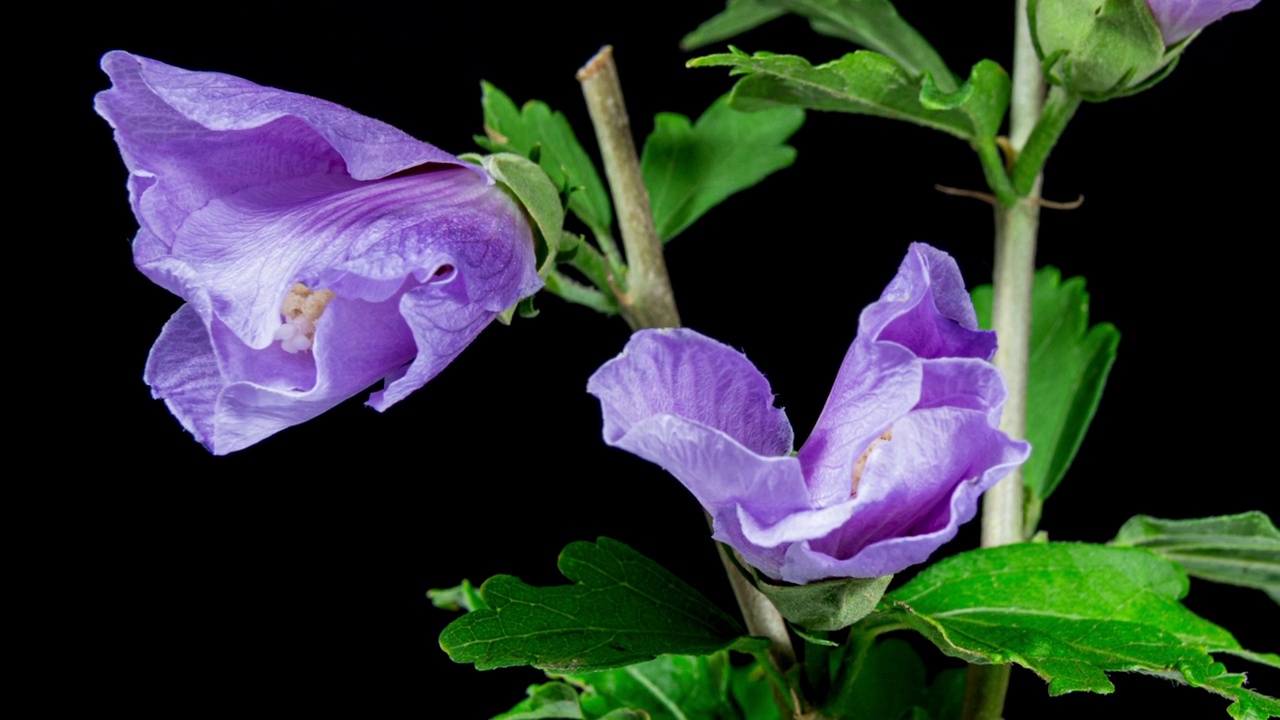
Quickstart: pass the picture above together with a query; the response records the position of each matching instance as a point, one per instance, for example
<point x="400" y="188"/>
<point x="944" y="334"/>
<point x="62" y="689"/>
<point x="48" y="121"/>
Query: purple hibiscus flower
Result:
<point x="1178" y="19"/>
<point x="318" y="250"/>
<point x="907" y="441"/>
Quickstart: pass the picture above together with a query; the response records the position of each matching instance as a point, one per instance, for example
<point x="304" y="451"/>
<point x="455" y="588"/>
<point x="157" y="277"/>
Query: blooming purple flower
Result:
<point x="1179" y="18"/>
<point x="904" y="447"/>
<point x="318" y="250"/>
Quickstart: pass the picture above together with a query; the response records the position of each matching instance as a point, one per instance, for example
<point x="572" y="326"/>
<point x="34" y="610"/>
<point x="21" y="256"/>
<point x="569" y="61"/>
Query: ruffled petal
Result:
<point x="685" y="374"/>
<point x="190" y="137"/>
<point x="917" y="488"/>
<point x="927" y="310"/>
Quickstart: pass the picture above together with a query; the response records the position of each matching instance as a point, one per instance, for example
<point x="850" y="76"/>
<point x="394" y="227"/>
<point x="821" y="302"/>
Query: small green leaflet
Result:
<point x="868" y="83"/>
<point x="1069" y="364"/>
<point x="1239" y="549"/>
<point x="561" y="156"/>
<point x="690" y="168"/>
<point x="623" y="608"/>
<point x="1071" y="613"/>
<point x="873" y="24"/>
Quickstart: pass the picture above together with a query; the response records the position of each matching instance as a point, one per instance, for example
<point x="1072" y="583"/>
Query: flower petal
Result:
<point x="877" y="384"/>
<point x="1179" y="18"/>
<point x="927" y="310"/>
<point x="916" y="490"/>
<point x="189" y="137"/>
<point x="686" y="374"/>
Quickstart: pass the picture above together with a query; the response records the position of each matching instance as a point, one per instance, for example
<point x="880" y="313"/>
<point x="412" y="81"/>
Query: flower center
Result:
<point x="861" y="463"/>
<point x="301" y="309"/>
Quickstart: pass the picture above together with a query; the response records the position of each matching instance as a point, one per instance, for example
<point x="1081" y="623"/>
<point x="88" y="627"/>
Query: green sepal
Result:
<point x="825" y="605"/>
<point x="1241" y="549"/>
<point x="623" y="608"/>
<point x="1100" y="49"/>
<point x="1079" y="612"/>
<point x="873" y="24"/>
<point x="548" y="701"/>
<point x="867" y="83"/>
<point x="463" y="596"/>
<point x="1067" y="372"/>
<point x="690" y="168"/>
<point x="531" y="186"/>
<point x="537" y="130"/>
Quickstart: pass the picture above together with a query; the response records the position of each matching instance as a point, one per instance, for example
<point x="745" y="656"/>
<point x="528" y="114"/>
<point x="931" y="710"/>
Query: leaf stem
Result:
<point x="649" y="300"/>
<point x="572" y="291"/>
<point x="1015" y="258"/>
<point x="1059" y="107"/>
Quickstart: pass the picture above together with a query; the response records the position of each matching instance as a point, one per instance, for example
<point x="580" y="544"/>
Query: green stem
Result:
<point x="649" y="301"/>
<point x="1015" y="259"/>
<point x="588" y="261"/>
<point x="617" y="267"/>
<point x="994" y="172"/>
<point x="1059" y="107"/>
<point x="579" y="294"/>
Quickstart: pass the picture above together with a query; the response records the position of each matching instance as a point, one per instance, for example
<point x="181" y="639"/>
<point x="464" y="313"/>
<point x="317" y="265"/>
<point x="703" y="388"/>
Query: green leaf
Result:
<point x="984" y="97"/>
<point x="753" y="694"/>
<point x="866" y="83"/>
<point x="623" y="608"/>
<point x="826" y="604"/>
<point x="671" y="687"/>
<point x="546" y="701"/>
<point x="1068" y="369"/>
<point x="560" y="154"/>
<point x="890" y="681"/>
<point x="1239" y="549"/>
<point x="1069" y="612"/>
<point x="691" y="168"/>
<point x="738" y="17"/>
<point x="873" y="24"/>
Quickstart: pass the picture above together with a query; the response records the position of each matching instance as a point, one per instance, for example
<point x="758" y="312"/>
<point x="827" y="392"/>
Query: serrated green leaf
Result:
<point x="1239" y="549"/>
<point x="1068" y="369"/>
<point x="671" y="687"/>
<point x="984" y="97"/>
<point x="873" y="24"/>
<point x="864" y="82"/>
<point x="690" y="168"/>
<point x="560" y="154"/>
<point x="549" y="701"/>
<point x="1069" y="612"/>
<point x="623" y="608"/>
<point x="737" y="17"/>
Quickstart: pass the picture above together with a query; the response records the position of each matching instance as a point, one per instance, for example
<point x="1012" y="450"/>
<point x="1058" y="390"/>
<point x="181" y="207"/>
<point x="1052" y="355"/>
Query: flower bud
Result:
<point x="1104" y="49"/>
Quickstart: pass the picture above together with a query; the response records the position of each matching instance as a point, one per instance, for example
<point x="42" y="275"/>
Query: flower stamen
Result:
<point x="301" y="309"/>
<point x="861" y="463"/>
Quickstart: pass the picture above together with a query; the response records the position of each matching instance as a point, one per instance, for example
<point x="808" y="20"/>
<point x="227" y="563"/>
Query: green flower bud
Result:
<point x="1101" y="49"/>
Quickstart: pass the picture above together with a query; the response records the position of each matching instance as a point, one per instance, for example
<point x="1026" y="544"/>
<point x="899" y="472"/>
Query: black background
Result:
<point x="290" y="577"/>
